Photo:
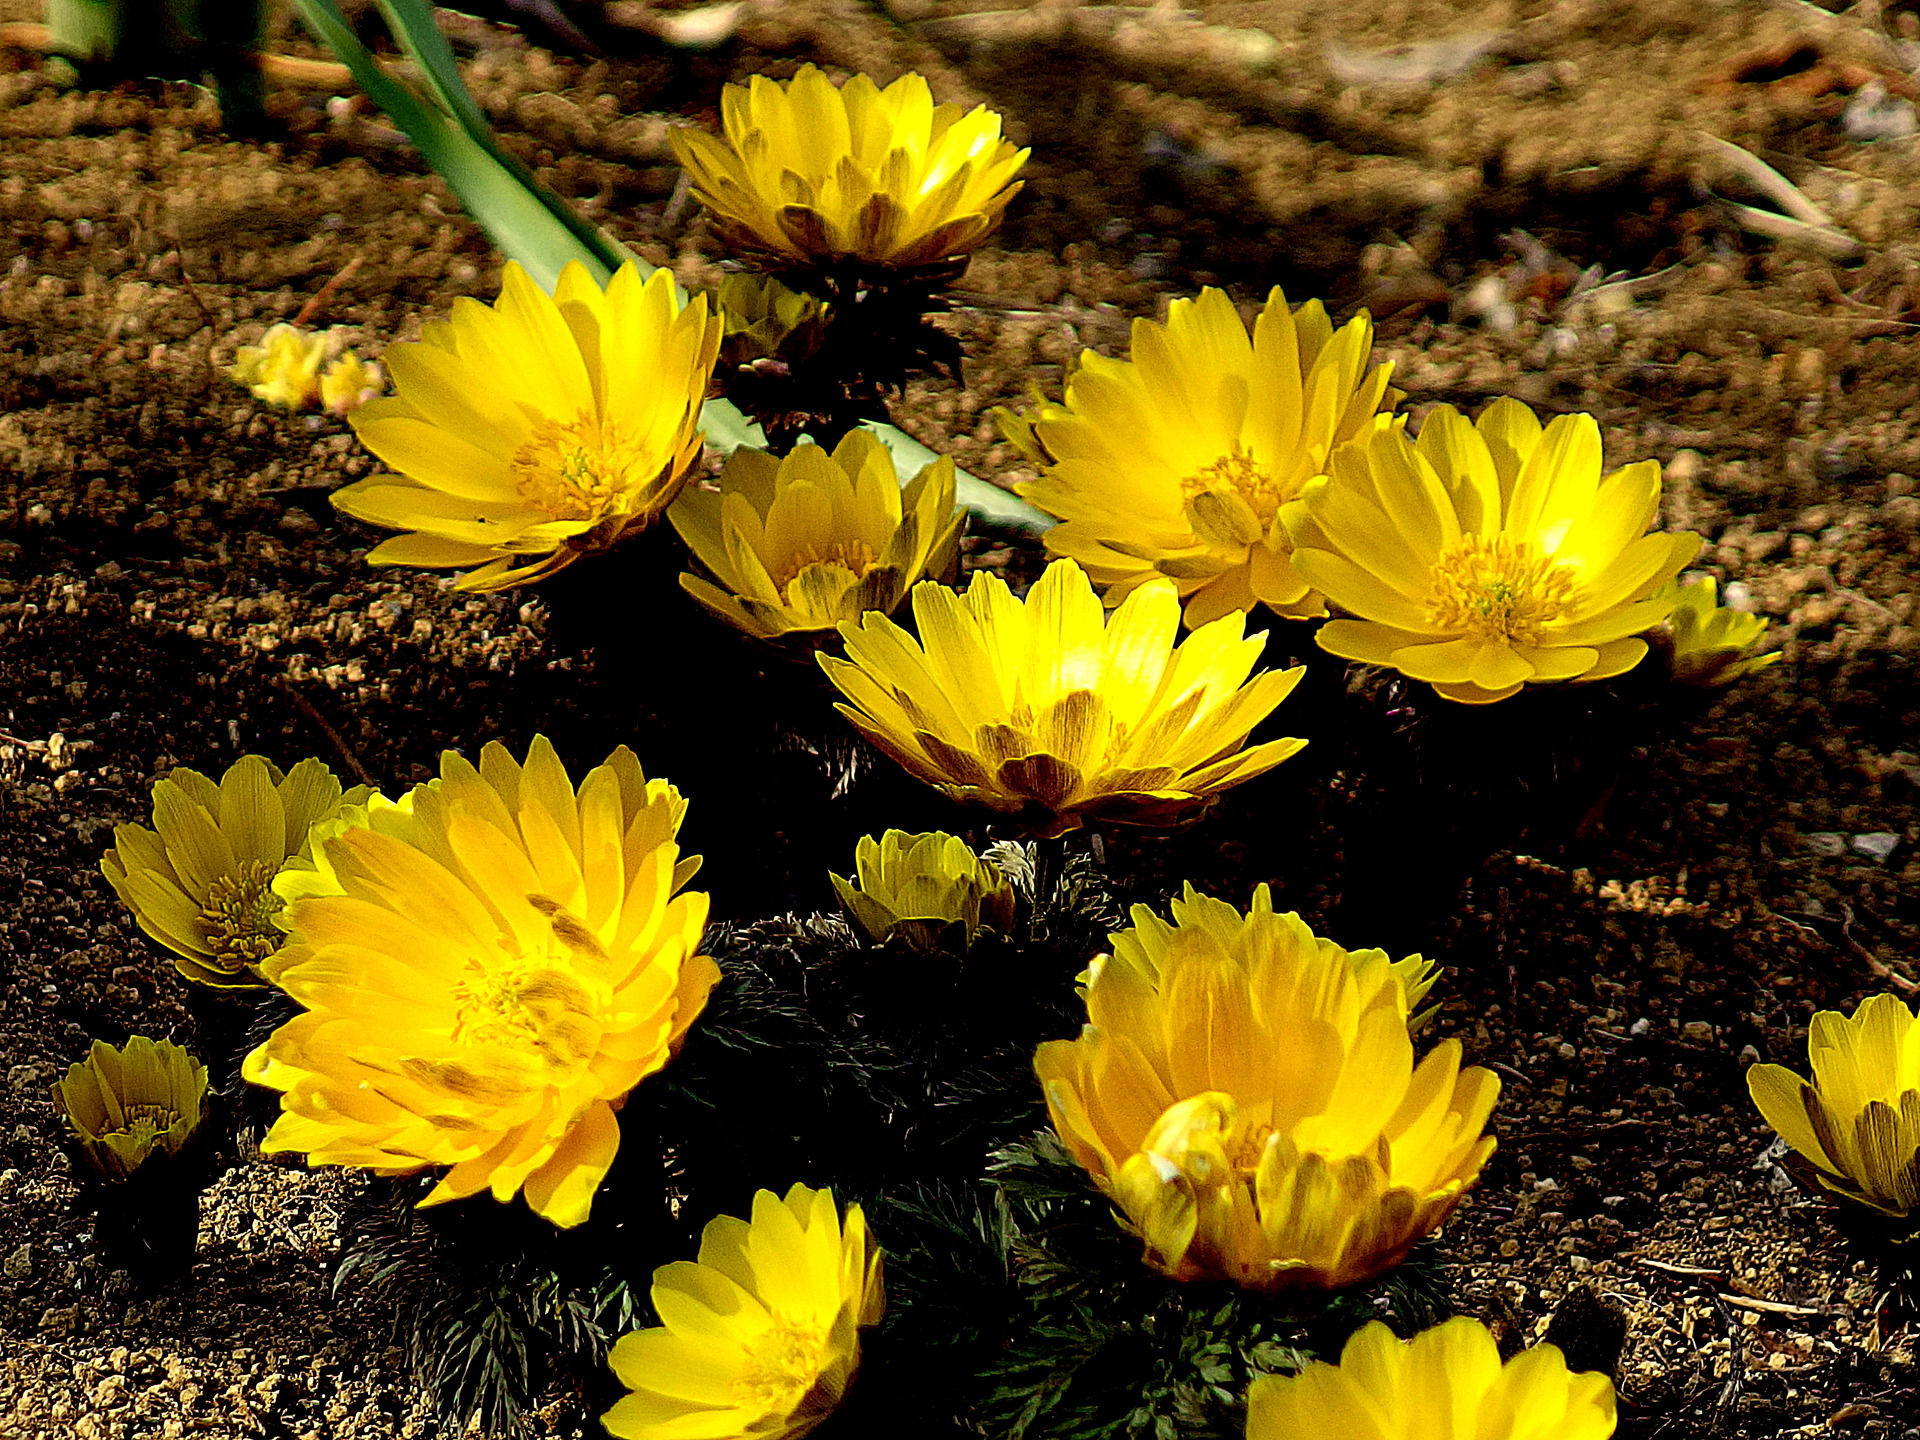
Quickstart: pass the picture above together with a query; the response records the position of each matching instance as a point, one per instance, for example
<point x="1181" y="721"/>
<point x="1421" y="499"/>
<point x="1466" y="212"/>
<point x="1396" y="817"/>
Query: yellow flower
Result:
<point x="1446" y="1383"/>
<point x="1254" y="1109"/>
<point x="1047" y="710"/>
<point x="125" y="1104"/>
<point x="284" y="368"/>
<point x="759" y="1337"/>
<point x="1710" y="643"/>
<point x="1177" y="461"/>
<point x="1858" y="1122"/>
<point x="486" y="972"/>
<point x="1484" y="557"/>
<point x="350" y="382"/>
<point x="539" y="429"/>
<point x="1254" y="937"/>
<point x="201" y="881"/>
<point x="805" y="542"/>
<point x="809" y="175"/>
<point x="764" y="318"/>
<point x="923" y="886"/>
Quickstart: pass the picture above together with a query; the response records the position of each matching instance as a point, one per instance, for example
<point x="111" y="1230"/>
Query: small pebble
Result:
<point x="1873" y="114"/>
<point x="1829" y="843"/>
<point x="1875" y="844"/>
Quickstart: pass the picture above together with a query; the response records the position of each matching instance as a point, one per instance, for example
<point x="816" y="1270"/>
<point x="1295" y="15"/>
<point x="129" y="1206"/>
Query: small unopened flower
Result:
<point x="764" y="319"/>
<point x="1447" y="1383"/>
<point x="1488" y="556"/>
<point x="1251" y="1104"/>
<point x="1857" y="1122"/>
<point x="201" y="881"/>
<point x="1177" y="461"/>
<point x="924" y="888"/>
<point x="813" y="176"/>
<point x="528" y="433"/>
<point x="486" y="970"/>
<point x="761" y="1335"/>
<point x="1709" y="643"/>
<point x="125" y="1104"/>
<point x="1054" y="712"/>
<point x="284" y="368"/>
<point x="350" y="382"/>
<point x="812" y="539"/>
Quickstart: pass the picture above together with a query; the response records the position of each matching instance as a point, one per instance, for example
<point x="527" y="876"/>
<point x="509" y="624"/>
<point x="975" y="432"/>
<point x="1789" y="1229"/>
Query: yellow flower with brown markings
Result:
<point x="201" y="881"/>
<point x="544" y="427"/>
<point x="1857" y="1123"/>
<point x="1176" y="462"/>
<point x="801" y="543"/>
<point x="1487" y="556"/>
<point x="486" y="972"/>
<point x="1447" y="1383"/>
<point x="1055" y="713"/>
<point x="124" y="1103"/>
<point x="760" y="1337"/>
<point x="1247" y="1096"/>
<point x="813" y="176"/>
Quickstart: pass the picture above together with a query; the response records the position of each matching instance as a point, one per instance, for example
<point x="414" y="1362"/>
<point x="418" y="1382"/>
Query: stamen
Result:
<point x="238" y="913"/>
<point x="1237" y="473"/>
<point x="1495" y="588"/>
<point x="782" y="1367"/>
<point x="581" y="469"/>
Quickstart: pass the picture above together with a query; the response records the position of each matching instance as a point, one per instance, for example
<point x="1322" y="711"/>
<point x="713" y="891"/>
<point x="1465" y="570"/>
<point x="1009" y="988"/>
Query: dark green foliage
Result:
<point x="489" y="1301"/>
<point x="1097" y="1346"/>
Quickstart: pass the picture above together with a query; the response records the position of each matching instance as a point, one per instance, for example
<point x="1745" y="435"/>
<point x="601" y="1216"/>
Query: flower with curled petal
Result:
<point x="1177" y="461"/>
<point x="924" y="888"/>
<point x="544" y="427"/>
<point x="760" y="1337"/>
<point x="1857" y="1122"/>
<point x="201" y="881"/>
<point x="1447" y="1383"/>
<point x="801" y="543"/>
<point x="1051" y="712"/>
<point x="1251" y="1105"/>
<point x="486" y="970"/>
<point x="125" y="1103"/>
<point x="1487" y="556"/>
<point x="1709" y="643"/>
<point x="813" y="177"/>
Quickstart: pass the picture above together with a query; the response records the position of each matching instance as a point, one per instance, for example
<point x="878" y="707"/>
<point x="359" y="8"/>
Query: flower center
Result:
<point x="1498" y="589"/>
<point x="782" y="1367"/>
<point x="534" y="1006"/>
<point x="580" y="469"/>
<point x="144" y="1124"/>
<point x="856" y="557"/>
<point x="238" y="914"/>
<point x="1237" y="474"/>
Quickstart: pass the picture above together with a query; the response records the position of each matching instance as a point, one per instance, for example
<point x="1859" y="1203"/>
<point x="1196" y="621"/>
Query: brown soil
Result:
<point x="1669" y="895"/>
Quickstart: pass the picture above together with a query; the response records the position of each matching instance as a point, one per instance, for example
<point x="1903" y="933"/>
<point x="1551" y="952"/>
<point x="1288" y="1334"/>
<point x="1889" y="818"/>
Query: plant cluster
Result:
<point x="1178" y="1222"/>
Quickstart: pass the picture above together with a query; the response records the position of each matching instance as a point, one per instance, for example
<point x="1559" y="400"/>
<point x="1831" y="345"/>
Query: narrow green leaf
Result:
<point x="988" y="501"/>
<point x="525" y="220"/>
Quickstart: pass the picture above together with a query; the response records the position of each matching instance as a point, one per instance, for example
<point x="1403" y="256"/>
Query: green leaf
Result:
<point x="528" y="222"/>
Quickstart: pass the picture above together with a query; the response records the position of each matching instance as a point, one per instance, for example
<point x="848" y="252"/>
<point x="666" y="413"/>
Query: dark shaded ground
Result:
<point x="1658" y="898"/>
